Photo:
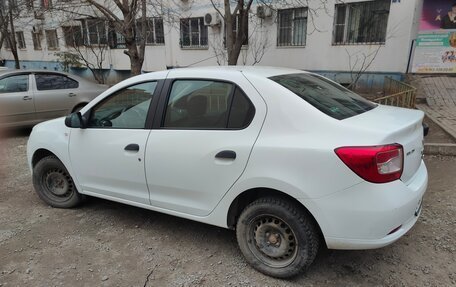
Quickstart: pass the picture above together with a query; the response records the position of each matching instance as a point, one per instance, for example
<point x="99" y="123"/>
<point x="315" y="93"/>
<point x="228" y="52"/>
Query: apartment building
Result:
<point x="339" y="39"/>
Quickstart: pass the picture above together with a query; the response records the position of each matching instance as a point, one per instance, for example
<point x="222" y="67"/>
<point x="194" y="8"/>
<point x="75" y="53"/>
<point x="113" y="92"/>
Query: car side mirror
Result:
<point x="76" y="120"/>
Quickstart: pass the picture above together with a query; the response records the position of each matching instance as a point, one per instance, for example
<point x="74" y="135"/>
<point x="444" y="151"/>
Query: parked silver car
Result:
<point x="31" y="96"/>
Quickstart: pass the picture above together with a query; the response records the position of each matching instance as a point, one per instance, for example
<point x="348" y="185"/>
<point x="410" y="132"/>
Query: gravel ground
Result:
<point x="109" y="244"/>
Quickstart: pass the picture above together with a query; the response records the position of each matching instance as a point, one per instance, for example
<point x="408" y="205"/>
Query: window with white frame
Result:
<point x="73" y="36"/>
<point x="94" y="32"/>
<point x="155" y="34"/>
<point x="20" y="40"/>
<point x="361" y="22"/>
<point x="51" y="39"/>
<point x="193" y="33"/>
<point x="292" y="27"/>
<point x="46" y="4"/>
<point x="36" y="38"/>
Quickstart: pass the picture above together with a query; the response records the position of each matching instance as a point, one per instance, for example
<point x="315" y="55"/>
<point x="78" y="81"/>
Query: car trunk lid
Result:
<point x="395" y="125"/>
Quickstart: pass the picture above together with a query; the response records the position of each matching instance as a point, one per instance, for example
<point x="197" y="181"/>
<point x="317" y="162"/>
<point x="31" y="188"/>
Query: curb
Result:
<point x="437" y="122"/>
<point x="440" y="149"/>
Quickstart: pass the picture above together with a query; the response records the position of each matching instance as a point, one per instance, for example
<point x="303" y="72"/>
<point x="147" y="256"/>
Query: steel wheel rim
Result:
<point x="272" y="241"/>
<point x="57" y="184"/>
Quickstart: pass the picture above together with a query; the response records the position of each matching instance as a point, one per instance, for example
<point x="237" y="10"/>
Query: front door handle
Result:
<point x="226" y="154"/>
<point x="71" y="95"/>
<point x="132" y="147"/>
<point x="27" y="98"/>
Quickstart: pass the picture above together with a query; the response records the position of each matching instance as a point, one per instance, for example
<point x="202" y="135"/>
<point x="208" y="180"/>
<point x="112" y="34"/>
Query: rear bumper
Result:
<point x="363" y="216"/>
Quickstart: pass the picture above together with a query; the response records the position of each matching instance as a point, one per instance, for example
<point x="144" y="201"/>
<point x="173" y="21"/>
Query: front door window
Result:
<point x="125" y="109"/>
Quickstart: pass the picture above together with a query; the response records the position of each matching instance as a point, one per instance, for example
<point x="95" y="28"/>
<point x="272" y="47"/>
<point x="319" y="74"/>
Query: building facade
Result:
<point x="339" y="39"/>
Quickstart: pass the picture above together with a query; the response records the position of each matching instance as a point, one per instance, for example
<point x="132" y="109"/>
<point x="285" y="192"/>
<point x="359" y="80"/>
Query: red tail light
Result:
<point x="377" y="164"/>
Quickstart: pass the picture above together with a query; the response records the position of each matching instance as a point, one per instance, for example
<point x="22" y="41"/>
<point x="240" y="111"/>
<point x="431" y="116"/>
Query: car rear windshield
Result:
<point x="330" y="98"/>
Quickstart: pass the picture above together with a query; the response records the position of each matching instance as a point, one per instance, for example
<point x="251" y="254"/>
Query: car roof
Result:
<point x="262" y="71"/>
<point x="19" y="71"/>
<point x="14" y="71"/>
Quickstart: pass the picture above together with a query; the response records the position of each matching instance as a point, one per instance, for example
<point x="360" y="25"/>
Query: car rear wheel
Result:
<point x="277" y="237"/>
<point x="54" y="184"/>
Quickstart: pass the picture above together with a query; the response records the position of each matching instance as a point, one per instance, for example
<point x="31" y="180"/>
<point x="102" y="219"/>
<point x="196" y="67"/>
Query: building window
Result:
<point x="95" y="32"/>
<point x="52" y="40"/>
<point x="36" y="37"/>
<point x="236" y="26"/>
<point x="46" y="4"/>
<point x="13" y="5"/>
<point x="115" y="39"/>
<point x="7" y="42"/>
<point x="20" y="40"/>
<point x="193" y="33"/>
<point x="155" y="34"/>
<point x="29" y="4"/>
<point x="292" y="27"/>
<point x="361" y="22"/>
<point x="73" y="36"/>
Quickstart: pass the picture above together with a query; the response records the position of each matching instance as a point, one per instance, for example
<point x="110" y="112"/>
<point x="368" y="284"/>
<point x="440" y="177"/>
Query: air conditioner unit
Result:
<point x="263" y="12"/>
<point x="212" y="19"/>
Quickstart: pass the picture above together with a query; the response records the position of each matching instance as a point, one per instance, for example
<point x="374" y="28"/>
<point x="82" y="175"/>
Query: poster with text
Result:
<point x="435" y="49"/>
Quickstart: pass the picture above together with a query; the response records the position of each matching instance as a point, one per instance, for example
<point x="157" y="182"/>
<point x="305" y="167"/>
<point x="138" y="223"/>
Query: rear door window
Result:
<point x="330" y="98"/>
<point x="45" y="82"/>
<point x="206" y="104"/>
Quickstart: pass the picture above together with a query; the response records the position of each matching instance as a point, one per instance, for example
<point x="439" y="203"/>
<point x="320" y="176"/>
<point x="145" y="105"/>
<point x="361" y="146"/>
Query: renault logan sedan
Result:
<point x="289" y="159"/>
<point x="28" y="97"/>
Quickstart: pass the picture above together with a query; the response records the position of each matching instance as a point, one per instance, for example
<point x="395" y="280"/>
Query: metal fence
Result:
<point x="397" y="94"/>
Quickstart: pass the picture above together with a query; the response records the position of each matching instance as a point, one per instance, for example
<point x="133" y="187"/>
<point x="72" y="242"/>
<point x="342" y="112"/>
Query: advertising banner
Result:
<point x="435" y="50"/>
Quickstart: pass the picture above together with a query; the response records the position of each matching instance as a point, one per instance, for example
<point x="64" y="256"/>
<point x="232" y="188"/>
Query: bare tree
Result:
<point x="236" y="21"/>
<point x="359" y="62"/>
<point x="86" y="55"/>
<point x="9" y="11"/>
<point x="235" y="14"/>
<point x="126" y="26"/>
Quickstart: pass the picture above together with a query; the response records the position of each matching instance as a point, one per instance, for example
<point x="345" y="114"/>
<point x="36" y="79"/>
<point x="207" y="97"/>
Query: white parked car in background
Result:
<point x="289" y="159"/>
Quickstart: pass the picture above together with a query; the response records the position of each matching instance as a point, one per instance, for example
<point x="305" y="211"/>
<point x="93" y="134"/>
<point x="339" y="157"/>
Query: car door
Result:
<point x="206" y="134"/>
<point x="55" y="95"/>
<point x="16" y="100"/>
<point x="108" y="155"/>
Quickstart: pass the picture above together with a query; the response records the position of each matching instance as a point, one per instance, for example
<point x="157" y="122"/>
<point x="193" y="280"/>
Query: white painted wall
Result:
<point x="319" y="53"/>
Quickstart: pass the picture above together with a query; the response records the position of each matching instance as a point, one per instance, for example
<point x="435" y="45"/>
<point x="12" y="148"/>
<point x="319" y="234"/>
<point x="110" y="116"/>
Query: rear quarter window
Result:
<point x="328" y="97"/>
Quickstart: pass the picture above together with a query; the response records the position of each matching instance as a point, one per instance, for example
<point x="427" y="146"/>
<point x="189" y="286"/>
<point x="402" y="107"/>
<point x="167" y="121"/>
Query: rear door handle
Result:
<point x="132" y="147"/>
<point x="71" y="95"/>
<point x="226" y="154"/>
<point x="27" y="98"/>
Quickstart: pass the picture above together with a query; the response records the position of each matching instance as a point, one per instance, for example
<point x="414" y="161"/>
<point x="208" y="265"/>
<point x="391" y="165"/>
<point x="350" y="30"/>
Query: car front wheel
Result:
<point x="277" y="237"/>
<point x="54" y="184"/>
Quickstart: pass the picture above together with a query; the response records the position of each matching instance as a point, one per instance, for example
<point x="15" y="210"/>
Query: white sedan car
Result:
<point x="289" y="159"/>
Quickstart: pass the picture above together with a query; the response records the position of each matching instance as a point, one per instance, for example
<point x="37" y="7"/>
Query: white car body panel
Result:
<point x="293" y="152"/>
<point x="103" y="166"/>
<point x="178" y="159"/>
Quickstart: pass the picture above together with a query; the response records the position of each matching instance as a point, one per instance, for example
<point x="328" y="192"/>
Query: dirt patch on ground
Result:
<point x="109" y="244"/>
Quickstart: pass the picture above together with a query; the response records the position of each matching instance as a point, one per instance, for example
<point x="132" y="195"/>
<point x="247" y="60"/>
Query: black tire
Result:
<point x="54" y="184"/>
<point x="277" y="237"/>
